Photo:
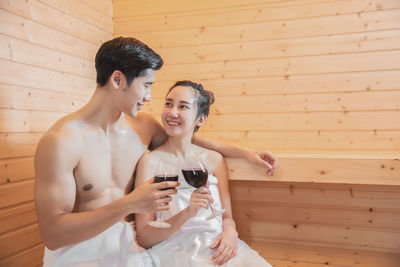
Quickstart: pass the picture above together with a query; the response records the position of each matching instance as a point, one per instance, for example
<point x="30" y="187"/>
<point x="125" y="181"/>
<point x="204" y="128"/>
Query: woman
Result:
<point x="192" y="240"/>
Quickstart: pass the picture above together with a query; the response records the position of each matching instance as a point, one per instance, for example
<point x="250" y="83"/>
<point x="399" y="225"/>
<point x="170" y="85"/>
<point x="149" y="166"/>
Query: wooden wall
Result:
<point x="317" y="76"/>
<point x="47" y="50"/>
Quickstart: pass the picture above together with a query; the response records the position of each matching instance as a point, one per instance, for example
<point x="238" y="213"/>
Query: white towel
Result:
<point x="115" y="247"/>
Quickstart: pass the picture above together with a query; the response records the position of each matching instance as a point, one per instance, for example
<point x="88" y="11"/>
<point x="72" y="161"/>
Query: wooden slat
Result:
<point x="21" y="51"/>
<point x="15" y="193"/>
<point x="283" y="84"/>
<point x="316" y="26"/>
<point x="376" y="142"/>
<point x="343" y="236"/>
<point x="104" y="6"/>
<point x="380" y="220"/>
<point x="14" y="145"/>
<point x="294" y="254"/>
<point x="346" y="101"/>
<point x="18" y="97"/>
<point x="328" y="195"/>
<point x="29" y="257"/>
<point x="17" y="217"/>
<point x="29" y="76"/>
<point x="27" y="120"/>
<point x="39" y="12"/>
<point x="13" y="170"/>
<point x="19" y="240"/>
<point x="24" y="29"/>
<point x="262" y="12"/>
<point x="322" y="170"/>
<point x="321" y="45"/>
<point x="387" y="60"/>
<point x="79" y="9"/>
<point x="305" y="121"/>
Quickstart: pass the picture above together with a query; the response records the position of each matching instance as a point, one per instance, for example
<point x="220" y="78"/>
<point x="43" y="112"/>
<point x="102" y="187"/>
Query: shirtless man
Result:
<point x="84" y="164"/>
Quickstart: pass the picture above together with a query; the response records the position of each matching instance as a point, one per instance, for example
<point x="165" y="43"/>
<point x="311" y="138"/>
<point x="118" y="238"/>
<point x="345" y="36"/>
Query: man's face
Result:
<point x="137" y="93"/>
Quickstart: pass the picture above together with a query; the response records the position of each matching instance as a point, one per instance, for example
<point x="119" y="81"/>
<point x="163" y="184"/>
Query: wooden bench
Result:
<point x="320" y="210"/>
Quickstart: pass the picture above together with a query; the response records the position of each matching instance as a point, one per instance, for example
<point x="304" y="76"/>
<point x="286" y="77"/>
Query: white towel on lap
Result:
<point x="115" y="247"/>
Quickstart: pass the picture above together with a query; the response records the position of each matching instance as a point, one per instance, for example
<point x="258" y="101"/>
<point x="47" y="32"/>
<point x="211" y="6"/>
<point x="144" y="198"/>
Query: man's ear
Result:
<point x="201" y="121"/>
<point x="117" y="79"/>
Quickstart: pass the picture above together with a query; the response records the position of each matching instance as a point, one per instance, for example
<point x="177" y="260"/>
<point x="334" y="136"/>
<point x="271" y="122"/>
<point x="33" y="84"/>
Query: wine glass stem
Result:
<point x="211" y="207"/>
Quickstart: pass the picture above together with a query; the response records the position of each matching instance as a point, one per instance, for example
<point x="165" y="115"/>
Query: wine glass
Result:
<point x="167" y="170"/>
<point x="196" y="174"/>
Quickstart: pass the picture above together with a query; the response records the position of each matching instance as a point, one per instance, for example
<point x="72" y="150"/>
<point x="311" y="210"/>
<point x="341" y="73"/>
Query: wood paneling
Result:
<point x="47" y="50"/>
<point x="287" y="69"/>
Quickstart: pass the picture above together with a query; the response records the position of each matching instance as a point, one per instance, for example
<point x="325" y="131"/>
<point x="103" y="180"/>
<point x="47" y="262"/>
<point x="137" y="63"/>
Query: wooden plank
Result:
<point x="344" y="101"/>
<point x="29" y="257"/>
<point x="104" y="6"/>
<point x="14" y="145"/>
<point x="21" y="51"/>
<point x="27" y="120"/>
<point x="254" y="211"/>
<point x="305" y="121"/>
<point x="17" y="217"/>
<point x="321" y="170"/>
<point x="28" y="30"/>
<point x="386" y="60"/>
<point x="320" y="45"/>
<point x="19" y="240"/>
<point x="42" y="13"/>
<point x="285" y="84"/>
<point x="18" y="97"/>
<point x="13" y="170"/>
<point x="16" y="193"/>
<point x="227" y="15"/>
<point x="307" y="27"/>
<point x="293" y="253"/>
<point x="342" y="236"/>
<point x="14" y="73"/>
<point x="79" y="9"/>
<point x="126" y="9"/>
<point x="374" y="141"/>
<point x="334" y="195"/>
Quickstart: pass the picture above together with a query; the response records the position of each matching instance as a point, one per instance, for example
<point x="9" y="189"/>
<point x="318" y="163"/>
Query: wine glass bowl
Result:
<point x="196" y="174"/>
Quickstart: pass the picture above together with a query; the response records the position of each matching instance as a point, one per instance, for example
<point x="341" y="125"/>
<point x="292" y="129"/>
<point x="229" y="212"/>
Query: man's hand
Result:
<point x="149" y="197"/>
<point x="227" y="243"/>
<point x="264" y="159"/>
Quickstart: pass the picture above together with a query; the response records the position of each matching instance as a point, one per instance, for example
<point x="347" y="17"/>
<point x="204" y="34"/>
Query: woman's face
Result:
<point x="180" y="111"/>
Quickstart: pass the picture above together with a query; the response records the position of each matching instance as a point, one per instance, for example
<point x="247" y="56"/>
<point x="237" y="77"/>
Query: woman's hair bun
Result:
<point x="210" y="96"/>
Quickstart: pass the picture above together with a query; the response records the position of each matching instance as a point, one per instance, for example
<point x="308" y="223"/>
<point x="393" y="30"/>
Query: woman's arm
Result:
<point x="226" y="242"/>
<point x="262" y="158"/>
<point x="148" y="235"/>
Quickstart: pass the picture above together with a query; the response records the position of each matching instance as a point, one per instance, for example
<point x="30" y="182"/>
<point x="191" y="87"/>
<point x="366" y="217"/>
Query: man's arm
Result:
<point x="263" y="158"/>
<point x="55" y="193"/>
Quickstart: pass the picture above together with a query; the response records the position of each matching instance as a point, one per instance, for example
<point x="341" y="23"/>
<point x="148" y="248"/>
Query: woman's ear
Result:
<point x="117" y="79"/>
<point x="201" y="121"/>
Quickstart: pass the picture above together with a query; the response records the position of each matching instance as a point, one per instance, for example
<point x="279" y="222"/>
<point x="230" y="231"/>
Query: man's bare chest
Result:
<point x="108" y="161"/>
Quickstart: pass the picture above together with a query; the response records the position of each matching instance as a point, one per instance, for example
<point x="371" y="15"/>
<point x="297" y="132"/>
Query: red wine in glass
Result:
<point x="195" y="177"/>
<point x="163" y="178"/>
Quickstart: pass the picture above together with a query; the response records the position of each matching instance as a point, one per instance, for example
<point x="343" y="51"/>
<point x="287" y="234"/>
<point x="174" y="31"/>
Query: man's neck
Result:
<point x="100" y="111"/>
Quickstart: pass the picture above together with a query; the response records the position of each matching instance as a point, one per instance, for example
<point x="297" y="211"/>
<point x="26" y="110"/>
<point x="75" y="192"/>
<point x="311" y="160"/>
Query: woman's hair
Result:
<point x="203" y="98"/>
<point x="128" y="55"/>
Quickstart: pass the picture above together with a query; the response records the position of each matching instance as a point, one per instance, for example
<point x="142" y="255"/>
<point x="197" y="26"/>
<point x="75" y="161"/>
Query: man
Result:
<point x="85" y="162"/>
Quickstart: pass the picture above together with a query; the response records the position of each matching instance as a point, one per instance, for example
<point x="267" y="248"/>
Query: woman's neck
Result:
<point x="180" y="145"/>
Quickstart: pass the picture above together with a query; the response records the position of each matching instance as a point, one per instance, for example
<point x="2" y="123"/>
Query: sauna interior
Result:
<point x="317" y="82"/>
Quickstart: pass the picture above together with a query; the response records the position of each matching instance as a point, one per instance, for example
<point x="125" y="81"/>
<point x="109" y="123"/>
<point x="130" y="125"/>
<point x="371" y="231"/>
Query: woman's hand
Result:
<point x="199" y="199"/>
<point x="264" y="159"/>
<point x="227" y="243"/>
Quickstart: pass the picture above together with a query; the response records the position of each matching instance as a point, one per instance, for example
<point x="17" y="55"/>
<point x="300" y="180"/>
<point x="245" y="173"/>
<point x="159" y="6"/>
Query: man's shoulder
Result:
<point x="65" y="131"/>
